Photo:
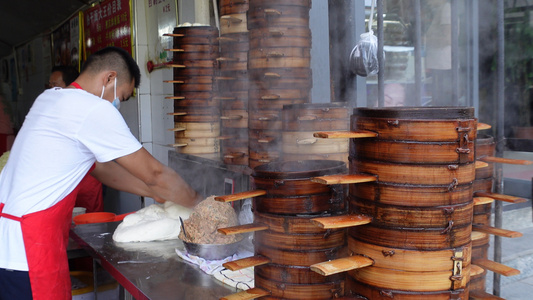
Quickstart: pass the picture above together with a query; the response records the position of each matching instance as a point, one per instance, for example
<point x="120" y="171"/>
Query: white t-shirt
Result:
<point x="65" y="131"/>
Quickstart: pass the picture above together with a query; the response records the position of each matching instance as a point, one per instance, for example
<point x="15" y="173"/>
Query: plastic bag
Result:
<point x="364" y="56"/>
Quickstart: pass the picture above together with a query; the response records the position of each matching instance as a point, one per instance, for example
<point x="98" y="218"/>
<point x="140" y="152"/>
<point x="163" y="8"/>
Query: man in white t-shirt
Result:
<point x="68" y="133"/>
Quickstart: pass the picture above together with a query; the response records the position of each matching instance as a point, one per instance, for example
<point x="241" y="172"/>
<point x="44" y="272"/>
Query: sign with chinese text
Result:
<point x="160" y="19"/>
<point x="108" y="23"/>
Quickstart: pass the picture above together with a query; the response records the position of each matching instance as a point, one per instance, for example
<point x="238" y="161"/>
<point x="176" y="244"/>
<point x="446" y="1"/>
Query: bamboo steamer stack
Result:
<point x="232" y="81"/>
<point x="196" y="110"/>
<point x="287" y="240"/>
<point x="300" y="121"/>
<point x="485" y="146"/>
<point x="421" y="205"/>
<point x="279" y="67"/>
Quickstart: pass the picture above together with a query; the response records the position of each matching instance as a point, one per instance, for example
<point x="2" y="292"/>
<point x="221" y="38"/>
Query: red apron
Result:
<point x="45" y="235"/>
<point x="90" y="194"/>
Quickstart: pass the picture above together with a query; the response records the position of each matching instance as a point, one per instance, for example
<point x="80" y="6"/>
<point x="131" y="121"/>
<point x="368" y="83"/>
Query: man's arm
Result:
<point x="115" y="176"/>
<point x="164" y="182"/>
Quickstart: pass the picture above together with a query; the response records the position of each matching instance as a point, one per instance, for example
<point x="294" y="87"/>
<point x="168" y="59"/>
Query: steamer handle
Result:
<point x="448" y="228"/>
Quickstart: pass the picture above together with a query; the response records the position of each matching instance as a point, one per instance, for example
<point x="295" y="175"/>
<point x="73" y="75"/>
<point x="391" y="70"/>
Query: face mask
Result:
<point x="116" y="100"/>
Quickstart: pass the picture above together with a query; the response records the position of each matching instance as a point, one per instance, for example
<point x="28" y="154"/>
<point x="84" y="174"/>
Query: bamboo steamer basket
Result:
<point x="185" y="148"/>
<point x="411" y="152"/>
<point x="485" y="146"/>
<point x="190" y="31"/>
<point x="264" y="119"/>
<point x="277" y="16"/>
<point x="234" y="43"/>
<point x="412" y="195"/>
<point x="188" y="39"/>
<point x="409" y="260"/>
<point x="190" y="55"/>
<point x="190" y="126"/>
<point x="234" y="118"/>
<point x="233" y="100"/>
<point x="408" y="281"/>
<point x="278" y="94"/>
<point x="281" y="290"/>
<point x="430" y="239"/>
<point x="301" y="241"/>
<point x="258" y="158"/>
<point x="195" y="63"/>
<point x="234" y="146"/>
<point x="271" y="53"/>
<point x="231" y="64"/>
<point x="210" y="49"/>
<point x="180" y="80"/>
<point x="212" y="102"/>
<point x="301" y="121"/>
<point x="238" y="55"/>
<point x="480" y="245"/>
<point x="195" y="95"/>
<point x="280" y="73"/>
<point x="293" y="192"/>
<point x="233" y="23"/>
<point x="356" y="288"/>
<point x="293" y="223"/>
<point x="228" y="7"/>
<point x="452" y="175"/>
<point x="188" y="118"/>
<point x="296" y="83"/>
<point x="477" y="279"/>
<point x="267" y="42"/>
<point x="304" y="143"/>
<point x="278" y="32"/>
<point x="184" y="71"/>
<point x="277" y="104"/>
<point x="231" y="84"/>
<point x="196" y="110"/>
<point x="192" y="87"/>
<point x="421" y="217"/>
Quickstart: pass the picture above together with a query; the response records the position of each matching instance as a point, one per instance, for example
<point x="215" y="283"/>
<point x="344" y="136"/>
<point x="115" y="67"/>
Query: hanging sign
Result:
<point x="108" y="23"/>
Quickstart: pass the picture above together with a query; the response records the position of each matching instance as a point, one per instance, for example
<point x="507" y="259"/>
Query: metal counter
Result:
<point x="149" y="270"/>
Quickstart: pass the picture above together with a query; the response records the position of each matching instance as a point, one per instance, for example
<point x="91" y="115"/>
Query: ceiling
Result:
<point x="23" y="20"/>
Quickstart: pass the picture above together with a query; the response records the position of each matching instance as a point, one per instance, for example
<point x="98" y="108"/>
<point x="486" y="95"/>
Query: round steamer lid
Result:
<point x="299" y="169"/>
<point x="430" y="113"/>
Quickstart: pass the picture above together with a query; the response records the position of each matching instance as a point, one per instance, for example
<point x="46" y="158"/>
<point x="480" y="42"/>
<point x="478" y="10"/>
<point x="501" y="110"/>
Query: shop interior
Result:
<point x="438" y="56"/>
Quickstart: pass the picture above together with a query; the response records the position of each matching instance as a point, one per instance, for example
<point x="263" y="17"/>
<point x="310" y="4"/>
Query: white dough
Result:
<point x="153" y="223"/>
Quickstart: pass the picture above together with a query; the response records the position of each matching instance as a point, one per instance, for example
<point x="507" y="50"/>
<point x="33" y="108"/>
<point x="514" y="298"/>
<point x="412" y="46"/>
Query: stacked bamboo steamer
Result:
<point x="196" y="110"/>
<point x="279" y="68"/>
<point x="421" y="205"/>
<point x="232" y="81"/>
<point x="301" y="121"/>
<point x="292" y="243"/>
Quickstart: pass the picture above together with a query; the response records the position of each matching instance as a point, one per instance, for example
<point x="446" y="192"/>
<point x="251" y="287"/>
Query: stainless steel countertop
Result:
<point x="149" y="270"/>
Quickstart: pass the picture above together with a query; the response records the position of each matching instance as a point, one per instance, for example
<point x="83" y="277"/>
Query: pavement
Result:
<point x="516" y="253"/>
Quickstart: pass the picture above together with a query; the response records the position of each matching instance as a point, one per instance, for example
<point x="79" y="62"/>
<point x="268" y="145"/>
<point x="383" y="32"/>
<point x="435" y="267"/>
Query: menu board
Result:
<point x="108" y="23"/>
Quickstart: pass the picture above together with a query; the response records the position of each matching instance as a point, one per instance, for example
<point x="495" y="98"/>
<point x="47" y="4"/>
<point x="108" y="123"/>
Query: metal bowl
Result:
<point x="212" y="251"/>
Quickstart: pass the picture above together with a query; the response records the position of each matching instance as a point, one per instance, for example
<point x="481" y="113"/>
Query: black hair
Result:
<point x="69" y="73"/>
<point x="116" y="59"/>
